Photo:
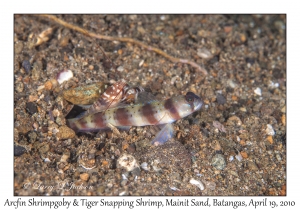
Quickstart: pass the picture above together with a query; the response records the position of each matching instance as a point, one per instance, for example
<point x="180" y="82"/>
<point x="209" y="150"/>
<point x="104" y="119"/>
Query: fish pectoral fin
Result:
<point x="163" y="135"/>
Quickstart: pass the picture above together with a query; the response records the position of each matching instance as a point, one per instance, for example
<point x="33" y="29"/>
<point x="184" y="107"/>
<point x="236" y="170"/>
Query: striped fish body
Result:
<point x="142" y="114"/>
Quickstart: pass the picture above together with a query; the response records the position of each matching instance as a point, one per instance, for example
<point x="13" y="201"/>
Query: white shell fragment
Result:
<point x="231" y="83"/>
<point x="155" y="165"/>
<point x="128" y="162"/>
<point x="257" y="91"/>
<point x="141" y="63"/>
<point x="120" y="68"/>
<point x="124" y="177"/>
<point x="273" y="85"/>
<point x="64" y="75"/>
<point x="204" y="53"/>
<point x="197" y="183"/>
<point x="122" y="193"/>
<point x="239" y="157"/>
<point x="269" y="130"/>
<point x="174" y="188"/>
<point x="144" y="166"/>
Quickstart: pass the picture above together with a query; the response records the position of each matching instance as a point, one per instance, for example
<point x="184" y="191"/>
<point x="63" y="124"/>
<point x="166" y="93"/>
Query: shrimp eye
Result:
<point x="189" y="97"/>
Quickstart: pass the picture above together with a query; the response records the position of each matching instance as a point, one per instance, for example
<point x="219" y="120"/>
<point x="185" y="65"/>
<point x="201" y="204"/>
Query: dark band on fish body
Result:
<point x="122" y="116"/>
<point x="169" y="105"/>
<point x="148" y="113"/>
<point x="99" y="119"/>
<point x="82" y="123"/>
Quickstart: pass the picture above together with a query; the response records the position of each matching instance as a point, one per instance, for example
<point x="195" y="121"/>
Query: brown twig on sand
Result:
<point x="124" y="39"/>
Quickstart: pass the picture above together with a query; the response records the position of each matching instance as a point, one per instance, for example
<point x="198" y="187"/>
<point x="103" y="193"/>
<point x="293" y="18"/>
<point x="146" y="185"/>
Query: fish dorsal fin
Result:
<point x="145" y="97"/>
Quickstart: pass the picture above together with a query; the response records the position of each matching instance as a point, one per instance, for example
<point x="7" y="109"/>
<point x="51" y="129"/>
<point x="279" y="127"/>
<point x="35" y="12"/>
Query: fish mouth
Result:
<point x="197" y="102"/>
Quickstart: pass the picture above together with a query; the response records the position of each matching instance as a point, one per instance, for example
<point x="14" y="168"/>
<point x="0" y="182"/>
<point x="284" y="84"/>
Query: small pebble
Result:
<point x="283" y="119"/>
<point x="104" y="163"/>
<point x="48" y="85"/>
<point x="231" y="84"/>
<point x="252" y="166"/>
<point x="65" y="133"/>
<point x="64" y="158"/>
<point x="221" y="99"/>
<point x="131" y="148"/>
<point x="19" y="150"/>
<point x="44" y="148"/>
<point x="217" y="146"/>
<point x="234" y="98"/>
<point x="243" y="109"/>
<point x="100" y="190"/>
<point x="244" y="154"/>
<point x="120" y="68"/>
<point x="32" y="136"/>
<point x="32" y="98"/>
<point x="218" y="161"/>
<point x="18" y="47"/>
<point x="85" y="177"/>
<point x="270" y="139"/>
<point x="26" y="65"/>
<point x="257" y="91"/>
<point x="234" y="173"/>
<point x="31" y="108"/>
<point x="123" y="183"/>
<point x="243" y="37"/>
<point x="270" y="130"/>
<point x="91" y="67"/>
<point x="36" y="72"/>
<point x="141" y="63"/>
<point x="242" y="142"/>
<point x="278" y="157"/>
<point x="19" y="87"/>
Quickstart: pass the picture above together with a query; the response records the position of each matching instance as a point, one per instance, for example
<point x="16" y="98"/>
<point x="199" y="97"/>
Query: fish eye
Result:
<point x="189" y="98"/>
